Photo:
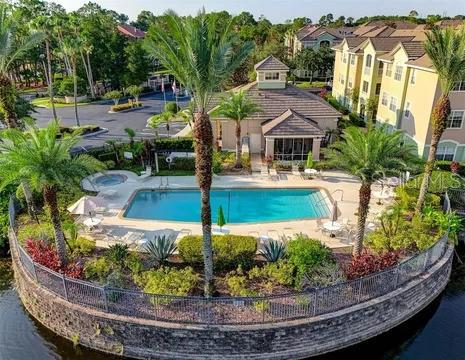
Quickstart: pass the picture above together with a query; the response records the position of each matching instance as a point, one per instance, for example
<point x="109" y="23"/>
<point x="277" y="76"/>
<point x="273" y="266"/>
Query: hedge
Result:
<point x="229" y="251"/>
<point x="175" y="144"/>
<point x="126" y="106"/>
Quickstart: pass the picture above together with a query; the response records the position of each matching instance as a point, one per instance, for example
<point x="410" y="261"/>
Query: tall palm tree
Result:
<point x="72" y="47"/>
<point x="237" y="107"/>
<point x="201" y="52"/>
<point x="38" y="156"/>
<point x="446" y="49"/>
<point x="370" y="155"/>
<point x="10" y="50"/>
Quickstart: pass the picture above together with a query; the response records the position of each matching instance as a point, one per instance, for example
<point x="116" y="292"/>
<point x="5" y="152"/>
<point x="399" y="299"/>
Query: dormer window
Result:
<point x="272" y="76"/>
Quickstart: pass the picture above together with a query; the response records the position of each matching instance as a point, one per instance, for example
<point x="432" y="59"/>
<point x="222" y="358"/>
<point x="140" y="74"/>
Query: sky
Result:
<point x="281" y="10"/>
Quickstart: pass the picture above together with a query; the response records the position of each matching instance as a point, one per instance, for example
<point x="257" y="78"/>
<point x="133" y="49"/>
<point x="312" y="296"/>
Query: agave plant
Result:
<point x="160" y="248"/>
<point x="273" y="251"/>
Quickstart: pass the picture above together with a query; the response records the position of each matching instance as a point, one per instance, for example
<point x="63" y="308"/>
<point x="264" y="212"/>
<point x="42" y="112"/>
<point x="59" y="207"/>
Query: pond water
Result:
<point x="437" y="333"/>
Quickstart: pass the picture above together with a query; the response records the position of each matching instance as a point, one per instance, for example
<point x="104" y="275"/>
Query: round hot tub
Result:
<point x="109" y="179"/>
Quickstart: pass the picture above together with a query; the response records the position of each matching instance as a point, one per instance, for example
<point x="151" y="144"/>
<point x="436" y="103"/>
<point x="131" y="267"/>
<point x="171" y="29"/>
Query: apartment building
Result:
<point x="396" y="72"/>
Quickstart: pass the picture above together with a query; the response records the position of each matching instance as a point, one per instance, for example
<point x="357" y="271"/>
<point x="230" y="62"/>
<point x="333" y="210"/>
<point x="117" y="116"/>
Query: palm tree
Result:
<point x="201" y="52"/>
<point x="238" y="107"/>
<point x="46" y="163"/>
<point x="446" y="49"/>
<point x="131" y="135"/>
<point x="10" y="51"/>
<point x="72" y="47"/>
<point x="370" y="155"/>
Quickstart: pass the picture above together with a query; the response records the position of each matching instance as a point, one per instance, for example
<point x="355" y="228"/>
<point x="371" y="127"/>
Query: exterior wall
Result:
<point x="142" y="338"/>
<point x="228" y="128"/>
<point x="271" y="84"/>
<point x="338" y="90"/>
<point x="369" y="75"/>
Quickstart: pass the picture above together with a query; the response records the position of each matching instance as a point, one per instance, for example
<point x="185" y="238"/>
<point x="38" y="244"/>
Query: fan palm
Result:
<point x="46" y="163"/>
<point x="370" y="155"/>
<point x="201" y="52"/>
<point x="446" y="49"/>
<point x="10" y="51"/>
<point x="237" y="107"/>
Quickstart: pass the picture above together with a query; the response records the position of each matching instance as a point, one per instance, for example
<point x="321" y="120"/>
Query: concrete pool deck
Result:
<point x="331" y="182"/>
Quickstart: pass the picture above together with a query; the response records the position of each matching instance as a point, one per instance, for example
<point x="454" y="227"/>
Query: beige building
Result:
<point x="396" y="72"/>
<point x="291" y="122"/>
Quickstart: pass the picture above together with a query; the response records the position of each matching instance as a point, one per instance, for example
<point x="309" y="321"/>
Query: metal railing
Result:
<point x="228" y="310"/>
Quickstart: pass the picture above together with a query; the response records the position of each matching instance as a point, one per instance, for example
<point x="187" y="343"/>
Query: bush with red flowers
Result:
<point x="324" y="94"/>
<point x="368" y="263"/>
<point x="44" y="254"/>
<point x="454" y="166"/>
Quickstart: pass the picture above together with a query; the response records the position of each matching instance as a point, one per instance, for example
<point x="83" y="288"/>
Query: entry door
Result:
<point x="255" y="143"/>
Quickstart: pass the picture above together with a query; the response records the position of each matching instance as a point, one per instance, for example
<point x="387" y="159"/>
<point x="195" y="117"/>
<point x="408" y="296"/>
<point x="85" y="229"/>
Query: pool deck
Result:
<point x="330" y="183"/>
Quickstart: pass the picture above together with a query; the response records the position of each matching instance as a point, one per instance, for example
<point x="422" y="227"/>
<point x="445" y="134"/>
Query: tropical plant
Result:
<point x="446" y="49"/>
<point x="11" y="50"/>
<point x="72" y="48"/>
<point x="157" y="120"/>
<point x="370" y="155"/>
<point x="172" y="107"/>
<point x="237" y="107"/>
<point x="309" y="162"/>
<point x="134" y="91"/>
<point x="46" y="163"/>
<point x="201" y="52"/>
<point x="114" y="95"/>
<point x="273" y="251"/>
<point x="160" y="248"/>
<point x="131" y="134"/>
<point x="117" y="254"/>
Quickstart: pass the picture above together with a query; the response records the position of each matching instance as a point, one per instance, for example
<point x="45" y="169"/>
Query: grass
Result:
<point x="32" y="90"/>
<point x="308" y="84"/>
<point x="175" y="173"/>
<point x="45" y="103"/>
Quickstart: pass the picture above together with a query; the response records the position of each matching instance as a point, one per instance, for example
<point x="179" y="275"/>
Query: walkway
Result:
<point x="256" y="162"/>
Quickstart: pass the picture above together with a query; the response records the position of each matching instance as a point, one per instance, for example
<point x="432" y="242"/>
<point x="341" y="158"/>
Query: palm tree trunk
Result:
<point x="238" y="145"/>
<point x="89" y="79"/>
<point x="364" y="202"/>
<point x="91" y="76"/>
<point x="31" y="209"/>
<point x="50" y="79"/>
<point x="50" y="198"/>
<point x="75" y="93"/>
<point x="8" y="101"/>
<point x="439" y="118"/>
<point x="203" y="135"/>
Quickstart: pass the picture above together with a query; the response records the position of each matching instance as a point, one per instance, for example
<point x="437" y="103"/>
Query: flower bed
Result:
<point x="126" y="106"/>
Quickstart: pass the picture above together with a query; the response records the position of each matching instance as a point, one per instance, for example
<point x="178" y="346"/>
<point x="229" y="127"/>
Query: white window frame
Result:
<point x="450" y="119"/>
<point x="398" y="73"/>
<point x="365" y="91"/>
<point x="384" y="99"/>
<point x="413" y="77"/>
<point x="352" y="59"/>
<point x="407" y="111"/>
<point x="459" y="86"/>
<point x="444" y="151"/>
<point x="341" y="79"/>
<point x="344" y="58"/>
<point x="392" y="102"/>
<point x="388" y="70"/>
<point x="272" y="76"/>
<point x="350" y="83"/>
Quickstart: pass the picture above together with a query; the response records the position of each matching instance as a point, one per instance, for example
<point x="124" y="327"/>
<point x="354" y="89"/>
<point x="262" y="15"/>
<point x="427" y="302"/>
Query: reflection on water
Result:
<point x="435" y="334"/>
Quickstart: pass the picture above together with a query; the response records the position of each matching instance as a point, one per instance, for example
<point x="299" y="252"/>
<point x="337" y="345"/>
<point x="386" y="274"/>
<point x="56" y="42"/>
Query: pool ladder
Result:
<point x="327" y="197"/>
<point x="163" y="186"/>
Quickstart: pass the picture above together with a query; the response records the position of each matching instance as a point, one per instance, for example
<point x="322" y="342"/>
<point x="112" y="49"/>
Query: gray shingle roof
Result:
<point x="291" y="123"/>
<point x="271" y="63"/>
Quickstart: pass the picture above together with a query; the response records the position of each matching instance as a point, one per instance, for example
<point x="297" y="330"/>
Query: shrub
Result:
<point x="169" y="281"/>
<point x="407" y="197"/>
<point x="368" y="263"/>
<point x="323" y="275"/>
<point x="160" y="248"/>
<point x="238" y="285"/>
<point x="81" y="246"/>
<point x="42" y="231"/>
<point x="183" y="164"/>
<point x="273" y="251"/>
<point x="66" y="86"/>
<point x="280" y="273"/>
<point x="229" y="251"/>
<point x="115" y="280"/>
<point x="172" y="107"/>
<point x="173" y="144"/>
<point x="134" y="263"/>
<point x="117" y="253"/>
<point x="305" y="253"/>
<point x="440" y="182"/>
<point x="126" y="106"/>
<point x="99" y="268"/>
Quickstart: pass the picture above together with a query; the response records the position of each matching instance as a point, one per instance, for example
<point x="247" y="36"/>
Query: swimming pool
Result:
<point x="110" y="179"/>
<point x="239" y="205"/>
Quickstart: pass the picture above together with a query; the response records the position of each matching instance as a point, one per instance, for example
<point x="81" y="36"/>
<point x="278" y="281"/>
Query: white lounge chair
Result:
<point x="274" y="175"/>
<point x="296" y="171"/>
<point x="146" y="174"/>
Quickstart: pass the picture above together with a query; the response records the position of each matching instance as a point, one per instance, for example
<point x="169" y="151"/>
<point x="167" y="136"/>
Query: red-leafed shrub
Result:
<point x="324" y="94"/>
<point x="44" y="254"/>
<point x="454" y="166"/>
<point x="368" y="263"/>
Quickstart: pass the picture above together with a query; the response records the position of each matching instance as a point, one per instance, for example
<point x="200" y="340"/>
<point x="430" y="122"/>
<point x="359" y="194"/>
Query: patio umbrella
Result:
<point x="86" y="205"/>
<point x="334" y="212"/>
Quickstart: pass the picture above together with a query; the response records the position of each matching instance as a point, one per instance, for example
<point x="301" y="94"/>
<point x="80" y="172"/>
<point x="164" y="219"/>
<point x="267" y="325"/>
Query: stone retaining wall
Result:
<point x="141" y="338"/>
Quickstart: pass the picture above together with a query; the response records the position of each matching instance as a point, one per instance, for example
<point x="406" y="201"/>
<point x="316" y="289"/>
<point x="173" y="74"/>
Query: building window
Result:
<point x="341" y="79"/>
<point x="344" y="58"/>
<point x="384" y="99"/>
<point x="368" y="61"/>
<point x="350" y="83"/>
<point x="388" y="70"/>
<point x="413" y="77"/>
<point x="407" y="110"/>
<point x="378" y="89"/>
<point x="352" y="59"/>
<point x="455" y="119"/>
<point x="459" y="86"/>
<point x="445" y="152"/>
<point x="272" y="76"/>
<point x="393" y="104"/>
<point x="292" y="149"/>
<point x="365" y="87"/>
<point x="398" y="73"/>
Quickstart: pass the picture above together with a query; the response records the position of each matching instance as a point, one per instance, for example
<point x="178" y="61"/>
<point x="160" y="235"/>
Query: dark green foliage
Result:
<point x="175" y="144"/>
<point x="138" y="63"/>
<point x="160" y="248"/>
<point x="229" y="251"/>
<point x="117" y="254"/>
<point x="66" y="87"/>
<point x="172" y="107"/>
<point x="440" y="182"/>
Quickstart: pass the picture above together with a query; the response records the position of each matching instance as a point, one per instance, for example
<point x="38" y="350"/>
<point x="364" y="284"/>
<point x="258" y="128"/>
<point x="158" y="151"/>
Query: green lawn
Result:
<point x="175" y="173"/>
<point x="45" y="103"/>
<point x="308" y="84"/>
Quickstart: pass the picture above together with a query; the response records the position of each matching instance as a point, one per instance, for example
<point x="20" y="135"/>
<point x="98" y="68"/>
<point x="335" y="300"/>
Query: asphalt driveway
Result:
<point x="97" y="114"/>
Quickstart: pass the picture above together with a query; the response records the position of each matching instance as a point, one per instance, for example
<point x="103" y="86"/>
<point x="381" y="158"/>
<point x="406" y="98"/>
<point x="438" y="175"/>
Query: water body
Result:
<point x="435" y="334"/>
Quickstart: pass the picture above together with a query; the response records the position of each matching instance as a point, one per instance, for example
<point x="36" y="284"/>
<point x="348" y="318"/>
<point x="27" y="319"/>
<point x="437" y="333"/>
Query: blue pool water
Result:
<point x="239" y="205"/>
<point x="110" y="179"/>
